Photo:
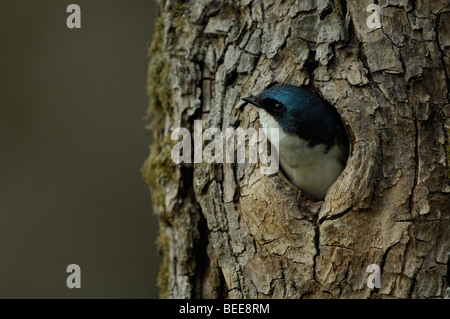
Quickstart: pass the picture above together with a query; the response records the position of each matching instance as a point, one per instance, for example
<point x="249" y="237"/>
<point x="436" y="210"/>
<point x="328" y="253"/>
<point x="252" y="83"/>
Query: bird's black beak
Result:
<point x="252" y="100"/>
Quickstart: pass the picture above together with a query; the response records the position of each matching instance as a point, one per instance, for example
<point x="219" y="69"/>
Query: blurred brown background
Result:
<point x="72" y="141"/>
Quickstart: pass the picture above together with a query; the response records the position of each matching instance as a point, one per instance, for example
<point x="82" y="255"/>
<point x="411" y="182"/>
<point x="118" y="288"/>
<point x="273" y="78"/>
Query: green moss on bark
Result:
<point x="158" y="83"/>
<point x="159" y="167"/>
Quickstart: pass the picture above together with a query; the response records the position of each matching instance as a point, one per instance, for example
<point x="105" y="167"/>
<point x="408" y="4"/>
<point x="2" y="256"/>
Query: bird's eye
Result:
<point x="278" y="107"/>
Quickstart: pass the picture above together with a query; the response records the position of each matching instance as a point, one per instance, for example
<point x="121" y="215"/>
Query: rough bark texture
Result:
<point x="228" y="231"/>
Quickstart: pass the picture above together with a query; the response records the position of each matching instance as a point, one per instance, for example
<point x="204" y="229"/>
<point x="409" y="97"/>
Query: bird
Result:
<point x="313" y="142"/>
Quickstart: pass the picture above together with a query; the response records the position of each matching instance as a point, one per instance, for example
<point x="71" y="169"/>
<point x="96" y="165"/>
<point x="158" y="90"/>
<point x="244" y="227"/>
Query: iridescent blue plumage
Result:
<point x="306" y="115"/>
<point x="313" y="142"/>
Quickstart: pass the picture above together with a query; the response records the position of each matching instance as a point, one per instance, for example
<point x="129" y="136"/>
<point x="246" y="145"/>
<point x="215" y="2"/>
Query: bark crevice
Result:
<point x="230" y="231"/>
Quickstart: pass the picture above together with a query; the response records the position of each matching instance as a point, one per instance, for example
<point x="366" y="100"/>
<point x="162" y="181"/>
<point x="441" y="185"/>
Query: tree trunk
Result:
<point x="226" y="230"/>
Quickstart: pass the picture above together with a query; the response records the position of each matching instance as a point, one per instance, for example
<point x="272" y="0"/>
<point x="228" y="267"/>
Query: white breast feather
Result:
<point x="310" y="169"/>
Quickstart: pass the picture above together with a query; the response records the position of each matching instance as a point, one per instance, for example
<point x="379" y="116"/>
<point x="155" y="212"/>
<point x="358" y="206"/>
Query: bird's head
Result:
<point x="301" y="112"/>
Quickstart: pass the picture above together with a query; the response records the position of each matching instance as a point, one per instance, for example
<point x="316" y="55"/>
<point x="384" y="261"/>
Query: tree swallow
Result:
<point x="313" y="143"/>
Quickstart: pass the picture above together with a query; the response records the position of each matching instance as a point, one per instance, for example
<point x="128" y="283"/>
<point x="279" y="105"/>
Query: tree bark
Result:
<point x="226" y="230"/>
